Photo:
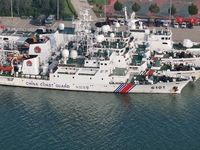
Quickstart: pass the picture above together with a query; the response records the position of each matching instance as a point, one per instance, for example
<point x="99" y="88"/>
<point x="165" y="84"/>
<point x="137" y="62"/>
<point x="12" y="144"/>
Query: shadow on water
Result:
<point x="124" y="98"/>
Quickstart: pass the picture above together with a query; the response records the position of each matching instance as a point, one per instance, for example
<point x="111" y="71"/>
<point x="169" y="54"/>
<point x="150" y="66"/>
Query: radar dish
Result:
<point x="117" y="25"/>
<point x="106" y="28"/>
<point x="61" y="26"/>
<point x="65" y="53"/>
<point x="100" y="38"/>
<point x="187" y="43"/>
<point x="112" y="35"/>
<point x="73" y="54"/>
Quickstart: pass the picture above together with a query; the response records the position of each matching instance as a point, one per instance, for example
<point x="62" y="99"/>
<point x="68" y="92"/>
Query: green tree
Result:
<point x="173" y="10"/>
<point x="153" y="8"/>
<point x="63" y="11"/>
<point x="136" y="7"/>
<point x="53" y="6"/>
<point x="100" y="7"/>
<point x="5" y="8"/>
<point x="36" y="7"/>
<point x="91" y="2"/>
<point x="45" y="7"/>
<point x="118" y="6"/>
<point x="193" y="9"/>
<point x="26" y="7"/>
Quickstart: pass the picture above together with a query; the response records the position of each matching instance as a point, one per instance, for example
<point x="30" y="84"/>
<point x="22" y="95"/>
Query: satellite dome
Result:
<point x="100" y="38"/>
<point x="106" y="28"/>
<point x="65" y="53"/>
<point x="147" y="31"/>
<point x="187" y="43"/>
<point x="112" y="35"/>
<point x="117" y="25"/>
<point x="61" y="26"/>
<point x="73" y="54"/>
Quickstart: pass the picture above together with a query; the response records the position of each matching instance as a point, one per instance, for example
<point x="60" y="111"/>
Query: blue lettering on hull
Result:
<point x="48" y="85"/>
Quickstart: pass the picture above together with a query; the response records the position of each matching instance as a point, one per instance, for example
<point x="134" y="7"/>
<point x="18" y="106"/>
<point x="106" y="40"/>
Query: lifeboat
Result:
<point x="19" y="58"/>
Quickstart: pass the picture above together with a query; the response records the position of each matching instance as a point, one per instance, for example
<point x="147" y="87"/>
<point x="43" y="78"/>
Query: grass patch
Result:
<point x="98" y="2"/>
<point x="98" y="12"/>
<point x="102" y="2"/>
<point x="71" y="8"/>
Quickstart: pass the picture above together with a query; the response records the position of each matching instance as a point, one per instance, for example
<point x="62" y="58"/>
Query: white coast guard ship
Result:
<point x="100" y="62"/>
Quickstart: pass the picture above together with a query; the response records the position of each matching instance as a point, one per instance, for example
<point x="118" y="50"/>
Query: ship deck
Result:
<point x="179" y="46"/>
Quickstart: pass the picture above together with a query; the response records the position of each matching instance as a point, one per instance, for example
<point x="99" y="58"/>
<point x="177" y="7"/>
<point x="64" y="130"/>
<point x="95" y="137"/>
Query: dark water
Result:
<point x="35" y="119"/>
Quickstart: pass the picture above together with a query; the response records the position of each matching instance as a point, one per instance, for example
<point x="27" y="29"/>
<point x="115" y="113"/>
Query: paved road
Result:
<point x="25" y="24"/>
<point x="192" y="34"/>
<point x="80" y="5"/>
<point x="179" y="34"/>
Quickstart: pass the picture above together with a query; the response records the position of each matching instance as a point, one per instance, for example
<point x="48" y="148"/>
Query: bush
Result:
<point x="91" y="2"/>
<point x="154" y="8"/>
<point x="136" y="7"/>
<point x="193" y="9"/>
<point x="173" y="10"/>
<point x="71" y="7"/>
<point x="118" y="6"/>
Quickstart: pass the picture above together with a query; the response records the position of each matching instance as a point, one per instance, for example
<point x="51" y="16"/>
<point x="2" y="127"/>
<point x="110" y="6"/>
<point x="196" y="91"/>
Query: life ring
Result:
<point x="26" y="55"/>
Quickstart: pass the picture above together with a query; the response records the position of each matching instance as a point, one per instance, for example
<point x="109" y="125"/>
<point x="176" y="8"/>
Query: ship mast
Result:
<point x="83" y="29"/>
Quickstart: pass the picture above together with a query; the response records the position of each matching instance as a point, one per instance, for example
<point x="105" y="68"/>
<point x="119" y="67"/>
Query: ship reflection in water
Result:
<point x="125" y="99"/>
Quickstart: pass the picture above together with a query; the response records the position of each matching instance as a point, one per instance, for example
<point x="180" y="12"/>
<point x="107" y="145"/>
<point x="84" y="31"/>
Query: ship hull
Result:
<point x="160" y="87"/>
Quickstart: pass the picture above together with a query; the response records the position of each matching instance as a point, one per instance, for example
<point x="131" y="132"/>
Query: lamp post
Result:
<point x="170" y="9"/>
<point x="57" y="9"/>
<point x="11" y="8"/>
<point x="150" y="2"/>
<point x="170" y="12"/>
<point x="105" y="9"/>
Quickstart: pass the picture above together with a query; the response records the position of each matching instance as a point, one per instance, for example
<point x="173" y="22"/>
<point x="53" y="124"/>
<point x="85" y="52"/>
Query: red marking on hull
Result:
<point x="126" y="88"/>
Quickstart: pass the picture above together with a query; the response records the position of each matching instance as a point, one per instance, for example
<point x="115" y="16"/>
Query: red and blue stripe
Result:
<point x="124" y="88"/>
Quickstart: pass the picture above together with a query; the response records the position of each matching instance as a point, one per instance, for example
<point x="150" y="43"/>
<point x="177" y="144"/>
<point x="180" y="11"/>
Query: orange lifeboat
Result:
<point x="18" y="58"/>
<point x="9" y="68"/>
